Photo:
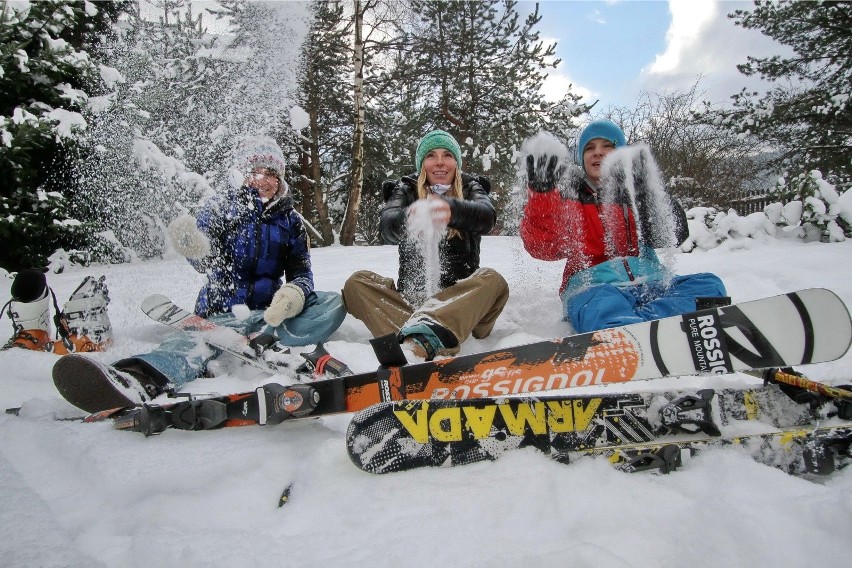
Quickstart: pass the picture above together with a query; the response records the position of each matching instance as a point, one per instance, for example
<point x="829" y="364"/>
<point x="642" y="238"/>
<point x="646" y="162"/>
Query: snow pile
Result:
<point x="817" y="211"/>
<point x="426" y="235"/>
<point x="709" y="229"/>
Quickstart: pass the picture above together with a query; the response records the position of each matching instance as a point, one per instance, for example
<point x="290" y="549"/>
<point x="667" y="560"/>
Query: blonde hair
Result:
<point x="454" y="191"/>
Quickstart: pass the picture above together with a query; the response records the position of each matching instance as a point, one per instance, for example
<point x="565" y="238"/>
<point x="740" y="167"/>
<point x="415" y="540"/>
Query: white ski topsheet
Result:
<point x="818" y="329"/>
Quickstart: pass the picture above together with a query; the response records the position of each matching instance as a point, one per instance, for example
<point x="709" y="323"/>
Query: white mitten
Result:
<point x="287" y="302"/>
<point x="186" y="239"/>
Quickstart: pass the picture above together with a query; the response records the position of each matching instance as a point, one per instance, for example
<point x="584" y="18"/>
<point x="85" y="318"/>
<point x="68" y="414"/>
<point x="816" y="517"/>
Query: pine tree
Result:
<point x="325" y="96"/>
<point x="46" y="77"/>
<point x="807" y="114"/>
<point x="482" y="70"/>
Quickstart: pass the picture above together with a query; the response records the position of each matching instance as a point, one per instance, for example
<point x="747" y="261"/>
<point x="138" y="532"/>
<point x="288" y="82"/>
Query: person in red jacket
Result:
<point x="605" y="218"/>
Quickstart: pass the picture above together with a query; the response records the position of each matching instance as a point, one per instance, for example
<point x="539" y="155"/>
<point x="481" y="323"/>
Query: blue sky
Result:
<point x="612" y="50"/>
<point x="605" y="45"/>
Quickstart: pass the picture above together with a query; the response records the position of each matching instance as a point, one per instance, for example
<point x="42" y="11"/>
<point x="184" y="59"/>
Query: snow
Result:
<point x="67" y="122"/>
<point x="87" y="495"/>
<point x="299" y="118"/>
<point x="427" y="233"/>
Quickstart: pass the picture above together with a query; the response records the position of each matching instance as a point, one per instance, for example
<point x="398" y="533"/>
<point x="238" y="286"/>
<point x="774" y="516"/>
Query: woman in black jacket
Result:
<point x="433" y="315"/>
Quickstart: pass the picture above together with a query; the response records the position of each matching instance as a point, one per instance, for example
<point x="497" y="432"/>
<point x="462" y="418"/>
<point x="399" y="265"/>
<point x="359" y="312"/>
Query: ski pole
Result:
<point x="786" y="377"/>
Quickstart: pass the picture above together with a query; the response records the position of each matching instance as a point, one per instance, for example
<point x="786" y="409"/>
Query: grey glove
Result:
<point x="287" y="302"/>
<point x="186" y="239"/>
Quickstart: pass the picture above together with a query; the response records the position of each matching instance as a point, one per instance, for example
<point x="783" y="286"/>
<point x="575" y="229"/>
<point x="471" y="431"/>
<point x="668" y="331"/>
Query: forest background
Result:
<point x="113" y="120"/>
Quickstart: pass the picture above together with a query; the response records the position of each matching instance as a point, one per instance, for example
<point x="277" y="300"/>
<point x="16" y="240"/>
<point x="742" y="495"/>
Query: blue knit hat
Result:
<point x="605" y="129"/>
<point x="433" y="140"/>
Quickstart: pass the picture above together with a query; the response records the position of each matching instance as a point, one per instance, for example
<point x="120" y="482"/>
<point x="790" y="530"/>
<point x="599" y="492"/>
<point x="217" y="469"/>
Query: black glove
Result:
<point x="543" y="172"/>
<point x="640" y="173"/>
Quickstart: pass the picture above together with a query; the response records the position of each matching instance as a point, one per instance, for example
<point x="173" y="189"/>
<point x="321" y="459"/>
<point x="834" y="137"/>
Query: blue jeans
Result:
<point x="605" y="305"/>
<point x="183" y="357"/>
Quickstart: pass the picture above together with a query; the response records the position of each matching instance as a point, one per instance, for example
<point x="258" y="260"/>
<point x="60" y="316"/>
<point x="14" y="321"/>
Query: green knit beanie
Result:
<point x="433" y="140"/>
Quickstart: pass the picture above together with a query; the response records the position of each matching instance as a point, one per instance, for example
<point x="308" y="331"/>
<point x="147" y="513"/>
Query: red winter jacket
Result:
<point x="584" y="231"/>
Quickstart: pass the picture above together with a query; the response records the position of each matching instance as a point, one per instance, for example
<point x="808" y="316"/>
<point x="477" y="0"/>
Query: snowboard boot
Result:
<point x="84" y="324"/>
<point x="29" y="310"/>
<point x="427" y="339"/>
<point x="92" y="386"/>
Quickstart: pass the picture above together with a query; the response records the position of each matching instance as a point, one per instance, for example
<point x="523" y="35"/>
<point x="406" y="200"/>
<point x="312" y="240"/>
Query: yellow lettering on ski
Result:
<point x="445" y="424"/>
<point x="560" y="418"/>
<point x="479" y="420"/>
<point x="533" y="415"/>
<point x="417" y="425"/>
<point x="583" y="416"/>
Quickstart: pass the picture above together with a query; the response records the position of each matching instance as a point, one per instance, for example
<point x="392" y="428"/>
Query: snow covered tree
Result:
<point x="144" y="129"/>
<point x="482" y="70"/>
<point x="184" y="97"/>
<point x="325" y="95"/>
<point x="46" y="78"/>
<point x="703" y="164"/>
<point x="807" y="113"/>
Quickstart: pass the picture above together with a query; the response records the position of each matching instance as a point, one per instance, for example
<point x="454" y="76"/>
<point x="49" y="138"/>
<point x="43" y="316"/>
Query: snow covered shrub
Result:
<point x="709" y="228"/>
<point x="817" y="211"/>
<point x="101" y="248"/>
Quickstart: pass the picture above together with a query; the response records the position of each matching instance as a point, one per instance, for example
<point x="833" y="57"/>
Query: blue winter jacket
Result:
<point x="253" y="246"/>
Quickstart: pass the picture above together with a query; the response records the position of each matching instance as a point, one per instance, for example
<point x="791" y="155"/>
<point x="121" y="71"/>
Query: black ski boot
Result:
<point x="92" y="386"/>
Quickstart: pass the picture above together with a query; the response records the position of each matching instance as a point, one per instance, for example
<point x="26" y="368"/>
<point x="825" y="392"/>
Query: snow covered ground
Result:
<point x="86" y="495"/>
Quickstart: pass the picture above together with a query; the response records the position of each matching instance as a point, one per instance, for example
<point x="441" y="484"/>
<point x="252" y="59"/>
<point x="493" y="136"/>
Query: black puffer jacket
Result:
<point x="472" y="217"/>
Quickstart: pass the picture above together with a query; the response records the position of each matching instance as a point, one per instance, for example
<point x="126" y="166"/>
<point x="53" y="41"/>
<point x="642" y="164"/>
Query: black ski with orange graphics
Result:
<point x="809" y="326"/>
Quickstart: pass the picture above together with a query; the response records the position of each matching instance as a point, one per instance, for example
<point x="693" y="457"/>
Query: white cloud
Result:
<point x="688" y="19"/>
<point x="556" y="85"/>
<point x="703" y="41"/>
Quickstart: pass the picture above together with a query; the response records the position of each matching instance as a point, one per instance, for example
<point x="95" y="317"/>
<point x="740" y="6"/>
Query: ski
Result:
<point x="404" y="435"/>
<point x="813" y="450"/>
<point x="798" y="328"/>
<point x="261" y="351"/>
<point x="809" y="326"/>
<point x="101" y="416"/>
<point x="268" y="404"/>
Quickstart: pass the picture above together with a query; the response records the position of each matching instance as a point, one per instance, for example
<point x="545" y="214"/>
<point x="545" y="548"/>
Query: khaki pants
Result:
<point x="470" y="306"/>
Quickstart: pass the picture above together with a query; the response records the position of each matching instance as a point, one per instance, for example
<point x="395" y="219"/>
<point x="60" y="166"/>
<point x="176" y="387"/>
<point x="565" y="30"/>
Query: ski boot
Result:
<point x="320" y="364"/>
<point x="92" y="386"/>
<point x="29" y="311"/>
<point x="83" y="324"/>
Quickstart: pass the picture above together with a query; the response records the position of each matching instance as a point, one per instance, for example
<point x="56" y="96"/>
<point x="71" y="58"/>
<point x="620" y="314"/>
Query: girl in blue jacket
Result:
<point x="252" y="246"/>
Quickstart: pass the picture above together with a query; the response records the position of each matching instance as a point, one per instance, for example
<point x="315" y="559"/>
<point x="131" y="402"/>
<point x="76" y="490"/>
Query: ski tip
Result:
<point x="153" y="301"/>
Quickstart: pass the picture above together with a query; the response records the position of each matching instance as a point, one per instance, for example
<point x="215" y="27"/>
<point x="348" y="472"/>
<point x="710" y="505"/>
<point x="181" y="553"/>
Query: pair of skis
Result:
<point x="803" y="327"/>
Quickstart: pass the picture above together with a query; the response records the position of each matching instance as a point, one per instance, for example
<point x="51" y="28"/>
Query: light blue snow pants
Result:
<point x="183" y="357"/>
<point x="605" y="305"/>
